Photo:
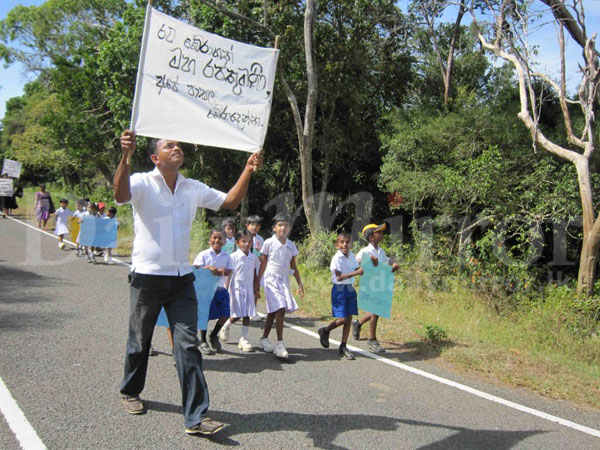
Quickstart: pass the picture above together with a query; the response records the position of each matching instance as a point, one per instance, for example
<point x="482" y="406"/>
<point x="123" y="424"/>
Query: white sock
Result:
<point x="245" y="331"/>
<point x="226" y="325"/>
<point x="280" y="342"/>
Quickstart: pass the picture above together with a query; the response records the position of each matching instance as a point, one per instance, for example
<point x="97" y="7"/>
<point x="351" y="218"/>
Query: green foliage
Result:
<point x="317" y="250"/>
<point x="434" y="333"/>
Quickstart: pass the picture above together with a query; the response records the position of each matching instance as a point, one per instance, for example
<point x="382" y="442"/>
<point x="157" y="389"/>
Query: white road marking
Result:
<point x="413" y="370"/>
<point x="66" y="241"/>
<point x="17" y="421"/>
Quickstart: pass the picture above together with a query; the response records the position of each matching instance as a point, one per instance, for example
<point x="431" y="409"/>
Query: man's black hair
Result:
<point x="152" y="145"/>
<point x="113" y="210"/>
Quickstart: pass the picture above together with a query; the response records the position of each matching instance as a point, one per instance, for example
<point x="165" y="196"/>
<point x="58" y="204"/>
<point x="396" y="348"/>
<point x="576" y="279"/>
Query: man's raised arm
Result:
<point x="121" y="179"/>
<point x="238" y="191"/>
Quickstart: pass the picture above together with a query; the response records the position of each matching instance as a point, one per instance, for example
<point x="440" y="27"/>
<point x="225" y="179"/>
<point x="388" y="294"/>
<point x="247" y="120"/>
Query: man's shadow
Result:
<point x="323" y="429"/>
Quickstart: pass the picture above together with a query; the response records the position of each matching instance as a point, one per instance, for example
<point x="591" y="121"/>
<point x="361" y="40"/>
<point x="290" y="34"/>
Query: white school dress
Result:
<point x="62" y="220"/>
<point x="277" y="275"/>
<point x="241" y="286"/>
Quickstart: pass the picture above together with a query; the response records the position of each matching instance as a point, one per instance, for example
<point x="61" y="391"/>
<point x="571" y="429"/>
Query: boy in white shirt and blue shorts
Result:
<point x="344" y="304"/>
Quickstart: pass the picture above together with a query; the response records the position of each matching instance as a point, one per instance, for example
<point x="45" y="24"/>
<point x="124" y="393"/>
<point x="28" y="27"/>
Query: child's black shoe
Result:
<point x="324" y="337"/>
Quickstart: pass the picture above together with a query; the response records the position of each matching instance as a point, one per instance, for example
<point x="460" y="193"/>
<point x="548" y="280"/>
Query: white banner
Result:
<point x="11" y="168"/>
<point x="194" y="86"/>
<point x="6" y="187"/>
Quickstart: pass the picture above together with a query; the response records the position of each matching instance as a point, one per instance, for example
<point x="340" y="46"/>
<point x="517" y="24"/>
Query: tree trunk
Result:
<point x="591" y="233"/>
<point x="306" y="147"/>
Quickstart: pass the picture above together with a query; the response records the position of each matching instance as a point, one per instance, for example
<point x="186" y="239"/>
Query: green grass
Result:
<point x="549" y="344"/>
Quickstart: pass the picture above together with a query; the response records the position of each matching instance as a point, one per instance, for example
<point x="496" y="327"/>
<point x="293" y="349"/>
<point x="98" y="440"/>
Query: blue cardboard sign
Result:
<point x="376" y="288"/>
<point x="206" y="286"/>
<point x="229" y="247"/>
<point x="98" y="232"/>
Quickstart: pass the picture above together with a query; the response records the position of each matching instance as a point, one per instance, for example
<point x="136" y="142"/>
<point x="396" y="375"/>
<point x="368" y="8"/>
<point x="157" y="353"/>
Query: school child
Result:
<point x="77" y="214"/>
<point x="112" y="212"/>
<point x="219" y="263"/>
<point x="228" y="225"/>
<point x="243" y="287"/>
<point x="373" y="234"/>
<point x="253" y="225"/>
<point x="91" y="210"/>
<point x="101" y="209"/>
<point x="62" y="218"/>
<point x="277" y="263"/>
<point x="344" y="305"/>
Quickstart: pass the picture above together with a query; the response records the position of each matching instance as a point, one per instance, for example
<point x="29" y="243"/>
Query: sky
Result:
<point x="13" y="78"/>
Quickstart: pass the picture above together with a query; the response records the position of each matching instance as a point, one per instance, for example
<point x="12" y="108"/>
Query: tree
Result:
<point x="507" y="39"/>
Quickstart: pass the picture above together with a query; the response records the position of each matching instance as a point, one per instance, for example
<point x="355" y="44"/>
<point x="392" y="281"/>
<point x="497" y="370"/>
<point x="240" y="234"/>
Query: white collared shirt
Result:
<point x="344" y="265"/>
<point x="279" y="255"/>
<point x="162" y="221"/>
<point x="372" y="251"/>
<point x="220" y="260"/>
<point x="244" y="268"/>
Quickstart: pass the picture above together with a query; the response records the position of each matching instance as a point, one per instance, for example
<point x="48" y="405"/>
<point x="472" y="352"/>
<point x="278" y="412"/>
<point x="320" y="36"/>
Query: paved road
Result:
<point x="62" y="332"/>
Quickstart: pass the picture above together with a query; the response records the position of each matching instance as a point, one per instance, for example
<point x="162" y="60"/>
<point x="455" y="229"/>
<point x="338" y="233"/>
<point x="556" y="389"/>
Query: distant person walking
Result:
<point x="43" y="206"/>
<point x="164" y="207"/>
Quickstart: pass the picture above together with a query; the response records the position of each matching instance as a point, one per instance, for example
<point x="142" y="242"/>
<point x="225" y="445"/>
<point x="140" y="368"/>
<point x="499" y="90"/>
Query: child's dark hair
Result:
<point x="242" y="234"/>
<point x="282" y="217"/>
<point x="112" y="210"/>
<point x="253" y="219"/>
<point x="64" y="200"/>
<point x="93" y="205"/>
<point x="228" y="221"/>
<point x="344" y="234"/>
<point x="217" y="230"/>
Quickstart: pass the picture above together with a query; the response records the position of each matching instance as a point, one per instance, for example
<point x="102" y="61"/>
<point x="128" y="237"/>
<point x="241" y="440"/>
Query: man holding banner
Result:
<point x="164" y="206"/>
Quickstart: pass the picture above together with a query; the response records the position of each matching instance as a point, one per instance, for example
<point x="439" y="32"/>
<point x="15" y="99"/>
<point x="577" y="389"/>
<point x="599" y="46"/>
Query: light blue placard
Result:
<point x="229" y="247"/>
<point x="206" y="285"/>
<point x="98" y="232"/>
<point x="376" y="288"/>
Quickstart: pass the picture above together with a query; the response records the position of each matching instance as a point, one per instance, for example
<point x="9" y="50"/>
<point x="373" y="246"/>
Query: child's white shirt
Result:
<point x="220" y="260"/>
<point x="78" y="213"/>
<point x="344" y="265"/>
<point x="378" y="253"/>
<point x="63" y="214"/>
<point x="244" y="268"/>
<point x="279" y="256"/>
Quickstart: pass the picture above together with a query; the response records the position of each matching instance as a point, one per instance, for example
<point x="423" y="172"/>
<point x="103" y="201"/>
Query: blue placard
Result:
<point x="206" y="285"/>
<point x="98" y="232"/>
<point x="376" y="288"/>
<point x="229" y="247"/>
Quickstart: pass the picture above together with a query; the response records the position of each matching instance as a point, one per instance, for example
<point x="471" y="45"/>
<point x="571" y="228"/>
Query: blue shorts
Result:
<point x="219" y="306"/>
<point x="343" y="301"/>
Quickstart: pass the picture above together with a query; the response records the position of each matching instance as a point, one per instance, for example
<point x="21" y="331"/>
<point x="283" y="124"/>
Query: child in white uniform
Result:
<point x="62" y="218"/>
<point x="253" y="226"/>
<point x="277" y="263"/>
<point x="228" y="225"/>
<point x="373" y="233"/>
<point x="243" y="288"/>
<point x="219" y="263"/>
<point x="77" y="214"/>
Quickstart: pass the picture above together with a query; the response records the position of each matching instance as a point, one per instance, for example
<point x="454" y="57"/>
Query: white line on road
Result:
<point x="422" y="373"/>
<point x="17" y="421"/>
<point x="74" y="244"/>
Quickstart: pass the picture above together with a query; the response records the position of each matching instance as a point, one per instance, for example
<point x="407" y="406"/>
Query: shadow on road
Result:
<point x="324" y="429"/>
<point x="16" y="285"/>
